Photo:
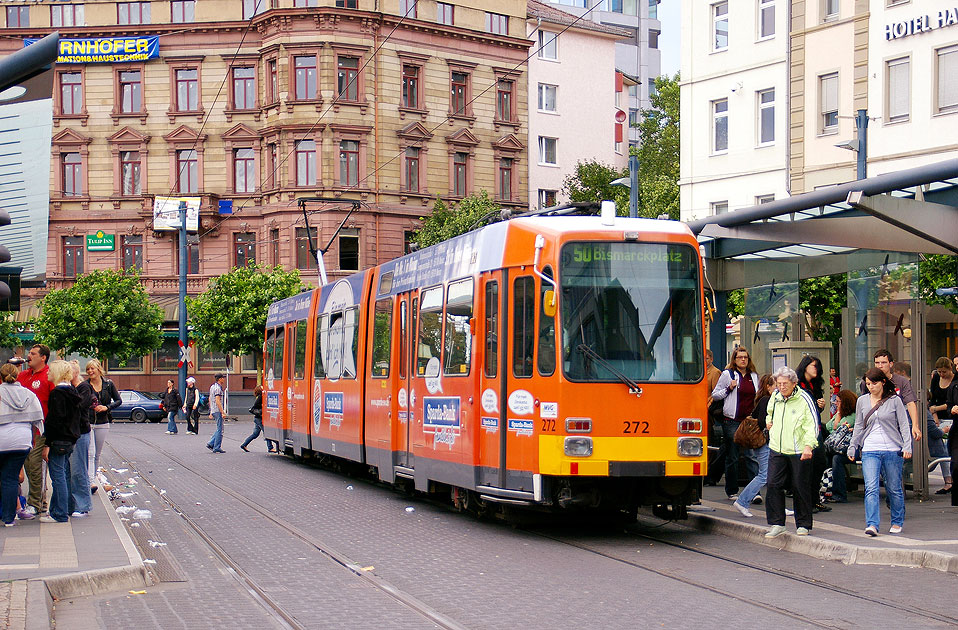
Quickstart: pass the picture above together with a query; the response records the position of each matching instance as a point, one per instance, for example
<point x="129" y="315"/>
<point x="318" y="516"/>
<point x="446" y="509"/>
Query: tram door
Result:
<point x="405" y="414"/>
<point x="491" y="442"/>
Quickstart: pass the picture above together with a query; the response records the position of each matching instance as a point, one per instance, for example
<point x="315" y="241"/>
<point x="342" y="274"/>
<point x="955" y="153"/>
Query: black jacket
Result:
<point x="63" y="415"/>
<point x="257" y="408"/>
<point x="172" y="401"/>
<point x="87" y="402"/>
<point x="109" y="398"/>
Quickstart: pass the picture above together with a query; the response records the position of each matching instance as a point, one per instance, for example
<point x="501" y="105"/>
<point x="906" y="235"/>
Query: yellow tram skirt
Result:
<point x="553" y="461"/>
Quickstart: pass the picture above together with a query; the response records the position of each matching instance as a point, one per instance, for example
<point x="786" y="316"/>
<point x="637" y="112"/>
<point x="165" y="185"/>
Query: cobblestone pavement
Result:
<point x="479" y="574"/>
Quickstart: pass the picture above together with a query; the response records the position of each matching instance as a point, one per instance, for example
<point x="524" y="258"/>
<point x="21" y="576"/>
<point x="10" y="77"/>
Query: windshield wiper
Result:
<point x="595" y="356"/>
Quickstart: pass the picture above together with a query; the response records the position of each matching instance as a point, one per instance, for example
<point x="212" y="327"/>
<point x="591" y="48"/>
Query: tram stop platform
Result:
<point x="43" y="563"/>
<point x="928" y="538"/>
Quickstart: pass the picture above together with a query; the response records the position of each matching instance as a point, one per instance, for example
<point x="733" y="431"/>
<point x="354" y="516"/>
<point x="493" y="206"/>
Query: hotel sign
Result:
<point x="100" y="242"/>
<point x="106" y="49"/>
<point x="921" y="24"/>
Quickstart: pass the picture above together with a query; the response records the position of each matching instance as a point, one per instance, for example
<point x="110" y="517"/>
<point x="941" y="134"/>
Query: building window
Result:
<point x="547" y="198"/>
<point x="72" y="175"/>
<point x="830" y="10"/>
<point x="766" y="18"/>
<point x="73" y="256"/>
<point x="410" y="86"/>
<point x="408" y="240"/>
<point x="548" y="45"/>
<point x="274" y="246"/>
<point x="547" y="150"/>
<point x="306" y="163"/>
<point x="273" y="84"/>
<point x="182" y="11"/>
<point x="346" y="4"/>
<point x="626" y="7"/>
<point x="505" y="178"/>
<point x="633" y="117"/>
<point x="828" y="87"/>
<point x="720" y="126"/>
<point x="460" y="89"/>
<point x="18" y="17"/>
<point x="306" y="3"/>
<point x="244" y="88"/>
<point x="460" y="162"/>
<point x="412" y="169"/>
<point x="187" y="90"/>
<point x="348" y="163"/>
<point x="763" y="199"/>
<point x="192" y="253"/>
<point x="66" y="15"/>
<point x="272" y="175"/>
<point x="947" y="76"/>
<point x="719" y="207"/>
<point x="547" y="97"/>
<point x="71" y="93"/>
<point x="305" y="77"/>
<point x="654" y="39"/>
<point x="766" y="117"/>
<point x="244" y="171"/>
<point x="130" y="172"/>
<point x="504" y="100"/>
<point x="408" y="8"/>
<point x="898" y="100"/>
<point x="132" y="12"/>
<point x="497" y="23"/>
<point x="348" y="78"/>
<point x="720" y="26"/>
<point x="254" y="7"/>
<point x="445" y="13"/>
<point x="304" y="255"/>
<point x="653" y="9"/>
<point x="131" y="91"/>
<point x="187" y="171"/>
<point x="133" y="252"/>
<point x="349" y="249"/>
<point x="244" y="249"/>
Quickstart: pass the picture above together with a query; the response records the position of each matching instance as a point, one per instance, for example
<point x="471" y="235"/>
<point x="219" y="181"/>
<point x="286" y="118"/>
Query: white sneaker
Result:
<point x="79" y="515"/>
<point x="169" y="433"/>
<point x="744" y="510"/>
<point x="789" y="512"/>
<point x="894" y="529"/>
<point x="30" y="510"/>
<point x="775" y="531"/>
<point x="871" y="530"/>
<point x="802" y="531"/>
<point x="46" y="518"/>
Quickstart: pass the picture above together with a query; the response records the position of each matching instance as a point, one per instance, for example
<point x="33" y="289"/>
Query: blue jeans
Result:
<point x="731" y="456"/>
<point x="887" y="464"/>
<point x="257" y="429"/>
<point x="839" y="485"/>
<point x="217" y="440"/>
<point x="756" y="457"/>
<point x="10" y="464"/>
<point x="171" y="424"/>
<point x="80" y="499"/>
<point x="59" y="467"/>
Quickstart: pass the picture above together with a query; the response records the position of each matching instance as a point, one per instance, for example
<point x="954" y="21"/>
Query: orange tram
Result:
<point x="544" y="361"/>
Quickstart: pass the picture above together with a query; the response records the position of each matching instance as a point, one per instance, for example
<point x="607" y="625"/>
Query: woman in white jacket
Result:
<point x="737" y="386"/>
<point x="20" y="413"/>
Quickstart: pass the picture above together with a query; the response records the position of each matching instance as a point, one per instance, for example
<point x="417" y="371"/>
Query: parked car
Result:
<point x="139" y="406"/>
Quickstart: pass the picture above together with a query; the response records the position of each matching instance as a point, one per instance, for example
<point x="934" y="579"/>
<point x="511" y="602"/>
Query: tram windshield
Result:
<point x="634" y="305"/>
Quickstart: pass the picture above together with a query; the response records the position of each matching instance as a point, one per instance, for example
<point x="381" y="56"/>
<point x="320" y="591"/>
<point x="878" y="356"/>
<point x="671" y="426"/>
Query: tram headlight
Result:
<point x="690" y="425"/>
<point x="578" y="446"/>
<point x="690" y="447"/>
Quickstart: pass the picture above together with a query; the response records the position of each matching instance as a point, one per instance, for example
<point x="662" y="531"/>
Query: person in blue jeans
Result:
<point x="882" y="431"/>
<point x="847" y="402"/>
<point x="216" y="413"/>
<point x="737" y="387"/>
<point x="20" y="414"/>
<point x="756" y="458"/>
<point x="257" y="411"/>
<point x="61" y="430"/>
<point x="172" y="403"/>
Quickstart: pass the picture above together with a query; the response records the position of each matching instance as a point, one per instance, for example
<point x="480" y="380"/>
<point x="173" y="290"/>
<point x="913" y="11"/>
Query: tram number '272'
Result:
<point x="549" y="424"/>
<point x="635" y="426"/>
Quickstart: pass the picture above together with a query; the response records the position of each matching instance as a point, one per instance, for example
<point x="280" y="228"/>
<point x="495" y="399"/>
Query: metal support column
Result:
<point x="717" y="337"/>
<point x="861" y="124"/>
<point x="633" y="186"/>
<point x="184" y="263"/>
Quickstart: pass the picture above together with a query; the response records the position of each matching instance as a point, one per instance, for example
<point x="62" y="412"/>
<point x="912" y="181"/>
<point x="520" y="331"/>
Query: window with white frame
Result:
<point x="497" y="23"/>
<point x="898" y="89"/>
<point x="762" y="199"/>
<point x="947" y="77"/>
<point x="445" y="13"/>
<point x="829" y="10"/>
<point x="547" y="150"/>
<point x="720" y="26"/>
<point x="547" y="198"/>
<point x="66" y="15"/>
<point x="408" y="8"/>
<point x="766" y="18"/>
<point x="720" y="126"/>
<point x="828" y="88"/>
<point x="132" y="12"/>
<point x="766" y="117"/>
<point x="547" y="97"/>
<point x="548" y="45"/>
<point x="254" y="7"/>
<point x="719" y="207"/>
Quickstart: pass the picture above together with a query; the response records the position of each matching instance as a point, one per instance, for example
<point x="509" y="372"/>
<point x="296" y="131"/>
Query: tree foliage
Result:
<point x="938" y="271"/>
<point x="658" y="151"/>
<point x="444" y="222"/>
<point x="592" y="181"/>
<point x="8" y="332"/>
<point x="822" y="300"/>
<point x="230" y="316"/>
<point x="106" y="313"/>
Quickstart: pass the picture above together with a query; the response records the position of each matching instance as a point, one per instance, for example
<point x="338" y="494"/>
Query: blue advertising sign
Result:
<point x="333" y="408"/>
<point x="105" y="49"/>
<point x="289" y="310"/>
<point x="272" y="401"/>
<point x="441" y="411"/>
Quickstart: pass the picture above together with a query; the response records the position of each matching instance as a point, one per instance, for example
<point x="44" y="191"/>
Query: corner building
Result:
<point x="389" y="103"/>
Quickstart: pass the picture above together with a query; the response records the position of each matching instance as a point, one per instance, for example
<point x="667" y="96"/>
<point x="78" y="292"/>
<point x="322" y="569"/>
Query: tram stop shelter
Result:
<point x="877" y="231"/>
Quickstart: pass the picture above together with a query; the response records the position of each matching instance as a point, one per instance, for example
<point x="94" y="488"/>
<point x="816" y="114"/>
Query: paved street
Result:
<point x="267" y="542"/>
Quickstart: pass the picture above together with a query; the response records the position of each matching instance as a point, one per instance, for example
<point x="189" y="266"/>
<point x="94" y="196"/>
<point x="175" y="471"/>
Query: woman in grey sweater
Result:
<point x="882" y="433"/>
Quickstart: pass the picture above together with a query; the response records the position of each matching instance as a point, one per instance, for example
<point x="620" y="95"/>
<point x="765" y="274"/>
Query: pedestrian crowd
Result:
<point x="809" y="434"/>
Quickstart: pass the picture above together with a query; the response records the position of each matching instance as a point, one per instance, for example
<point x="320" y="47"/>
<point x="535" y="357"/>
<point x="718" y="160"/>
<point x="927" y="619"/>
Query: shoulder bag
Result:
<point x="748" y="434"/>
<point x="838" y="440"/>
<point x="858" y="449"/>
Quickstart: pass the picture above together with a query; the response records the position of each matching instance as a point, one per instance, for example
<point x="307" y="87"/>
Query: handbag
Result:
<point x="838" y="440"/>
<point x="748" y="434"/>
<point x="60" y="447"/>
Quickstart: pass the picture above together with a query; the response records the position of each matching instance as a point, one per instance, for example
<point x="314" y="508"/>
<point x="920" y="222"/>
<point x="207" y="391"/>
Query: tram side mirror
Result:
<point x="472" y="325"/>
<point x="549" y="303"/>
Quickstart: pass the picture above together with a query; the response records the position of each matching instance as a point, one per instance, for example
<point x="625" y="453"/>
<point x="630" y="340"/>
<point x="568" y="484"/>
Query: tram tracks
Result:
<point x="260" y="594"/>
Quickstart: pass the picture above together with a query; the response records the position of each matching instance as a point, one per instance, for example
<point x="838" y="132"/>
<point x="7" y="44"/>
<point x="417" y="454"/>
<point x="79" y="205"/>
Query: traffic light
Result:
<point x="4" y="256"/>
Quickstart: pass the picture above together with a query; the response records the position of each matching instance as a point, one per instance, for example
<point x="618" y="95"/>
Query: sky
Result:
<point x="670" y="16"/>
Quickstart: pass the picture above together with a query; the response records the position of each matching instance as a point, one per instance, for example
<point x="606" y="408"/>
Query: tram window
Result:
<point x="430" y="329"/>
<point x="385" y="283"/>
<point x="280" y="348"/>
<point x="268" y="350"/>
<point x="457" y="342"/>
<point x="322" y="333"/>
<point x="491" y="336"/>
<point x="382" y="337"/>
<point x="333" y="345"/>
<point x="523" y="322"/>
<point x="546" y="352"/>
<point x="291" y="357"/>
<point x="413" y="327"/>
<point x="403" y="344"/>
<point x="351" y="345"/>
<point x="299" y="364"/>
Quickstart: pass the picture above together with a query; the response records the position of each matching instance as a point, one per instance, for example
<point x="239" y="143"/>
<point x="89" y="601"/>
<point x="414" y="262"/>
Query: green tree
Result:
<point x="230" y="316"/>
<point x="444" y="223"/>
<point x="8" y="332"/>
<point x="936" y="272"/>
<point x="592" y="181"/>
<point x="106" y="313"/>
<point x="822" y="300"/>
<point x="658" y="151"/>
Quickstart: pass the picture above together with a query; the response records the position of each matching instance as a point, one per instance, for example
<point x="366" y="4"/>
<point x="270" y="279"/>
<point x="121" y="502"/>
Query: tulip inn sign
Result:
<point x="921" y="24"/>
